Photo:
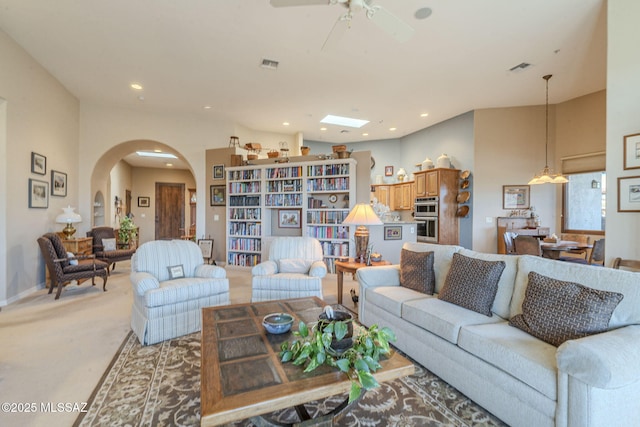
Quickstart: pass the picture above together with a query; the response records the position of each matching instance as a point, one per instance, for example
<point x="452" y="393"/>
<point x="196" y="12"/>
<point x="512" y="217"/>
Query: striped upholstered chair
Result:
<point x="171" y="285"/>
<point x="294" y="270"/>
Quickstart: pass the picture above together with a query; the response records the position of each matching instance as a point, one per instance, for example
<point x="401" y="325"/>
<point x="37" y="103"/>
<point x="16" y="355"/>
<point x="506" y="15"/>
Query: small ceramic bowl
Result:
<point x="277" y="323"/>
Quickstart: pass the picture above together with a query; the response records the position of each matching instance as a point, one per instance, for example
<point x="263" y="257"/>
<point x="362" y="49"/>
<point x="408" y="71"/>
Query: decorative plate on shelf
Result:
<point x="333" y="198"/>
<point x="463" y="196"/>
<point x="465" y="174"/>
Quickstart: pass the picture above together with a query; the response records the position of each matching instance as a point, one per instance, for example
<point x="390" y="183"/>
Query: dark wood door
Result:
<point x="169" y="210"/>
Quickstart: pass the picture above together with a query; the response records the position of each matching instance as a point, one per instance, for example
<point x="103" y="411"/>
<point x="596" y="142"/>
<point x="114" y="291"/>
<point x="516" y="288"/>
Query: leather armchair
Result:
<point x="294" y="270"/>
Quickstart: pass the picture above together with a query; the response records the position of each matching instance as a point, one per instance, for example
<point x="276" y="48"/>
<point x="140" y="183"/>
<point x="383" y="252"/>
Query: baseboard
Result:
<point x="21" y="295"/>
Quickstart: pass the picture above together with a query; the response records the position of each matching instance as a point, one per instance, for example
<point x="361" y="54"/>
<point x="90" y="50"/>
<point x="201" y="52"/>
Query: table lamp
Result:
<point x="362" y="215"/>
<point x="68" y="217"/>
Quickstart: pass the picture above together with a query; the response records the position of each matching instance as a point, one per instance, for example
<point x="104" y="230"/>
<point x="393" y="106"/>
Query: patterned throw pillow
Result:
<point x="109" y="244"/>
<point x="416" y="271"/>
<point x="557" y="311"/>
<point x="472" y="283"/>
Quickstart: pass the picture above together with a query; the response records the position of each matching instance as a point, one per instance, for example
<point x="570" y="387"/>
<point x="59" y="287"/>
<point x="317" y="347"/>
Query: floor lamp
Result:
<point x="361" y="216"/>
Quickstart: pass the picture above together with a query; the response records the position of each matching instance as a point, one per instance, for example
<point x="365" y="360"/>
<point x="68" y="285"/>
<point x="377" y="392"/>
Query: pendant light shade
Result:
<point x="546" y="176"/>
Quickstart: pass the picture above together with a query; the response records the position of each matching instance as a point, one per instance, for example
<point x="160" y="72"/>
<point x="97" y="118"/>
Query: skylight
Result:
<point x="152" y="154"/>
<point x="344" y="121"/>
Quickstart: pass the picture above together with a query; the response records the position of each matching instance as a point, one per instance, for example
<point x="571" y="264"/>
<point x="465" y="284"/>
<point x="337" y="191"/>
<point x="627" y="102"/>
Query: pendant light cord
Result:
<point x="546" y="128"/>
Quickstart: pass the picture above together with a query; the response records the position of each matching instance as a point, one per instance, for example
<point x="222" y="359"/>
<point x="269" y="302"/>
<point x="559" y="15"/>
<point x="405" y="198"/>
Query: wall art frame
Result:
<point x="289" y="218"/>
<point x="58" y="183"/>
<point x="388" y="171"/>
<point x="393" y="232"/>
<point x="632" y="151"/>
<point x="38" y="194"/>
<point x="516" y="197"/>
<point x="206" y="246"/>
<point x="629" y="194"/>
<point x="38" y="163"/>
<point x="218" y="195"/>
<point x="144" y="201"/>
<point x="218" y="171"/>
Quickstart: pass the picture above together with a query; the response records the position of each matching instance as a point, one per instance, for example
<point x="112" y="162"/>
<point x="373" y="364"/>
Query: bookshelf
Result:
<point x="323" y="191"/>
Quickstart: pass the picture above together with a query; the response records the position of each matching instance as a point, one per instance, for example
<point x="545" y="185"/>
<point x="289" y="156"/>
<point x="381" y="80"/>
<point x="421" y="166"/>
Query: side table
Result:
<point x="351" y="266"/>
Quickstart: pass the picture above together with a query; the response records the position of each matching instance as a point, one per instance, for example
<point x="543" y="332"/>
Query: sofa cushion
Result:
<point x="442" y="318"/>
<point x="180" y="290"/>
<point x="472" y="283"/>
<point x="502" y="300"/>
<point x="556" y="311"/>
<point x="416" y="271"/>
<point x="442" y="255"/>
<point x="391" y="298"/>
<point x="294" y="265"/>
<point x="525" y="357"/>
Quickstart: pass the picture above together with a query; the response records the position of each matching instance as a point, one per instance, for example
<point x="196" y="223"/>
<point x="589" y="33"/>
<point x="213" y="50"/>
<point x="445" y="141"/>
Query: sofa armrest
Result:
<point x="318" y="269"/>
<point x="371" y="277"/>
<point x="265" y="268"/>
<point x="607" y="360"/>
<point x="210" y="271"/>
<point x="143" y="282"/>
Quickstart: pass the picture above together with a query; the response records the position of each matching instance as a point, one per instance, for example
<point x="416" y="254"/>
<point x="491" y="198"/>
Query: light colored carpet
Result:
<point x="56" y="351"/>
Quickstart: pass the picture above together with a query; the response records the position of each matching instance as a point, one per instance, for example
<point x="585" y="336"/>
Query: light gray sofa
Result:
<point x="166" y="307"/>
<point x="586" y="382"/>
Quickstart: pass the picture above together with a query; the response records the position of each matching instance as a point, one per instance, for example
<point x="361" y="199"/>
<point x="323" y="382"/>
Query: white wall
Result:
<point x="41" y="116"/>
<point x="623" y="111"/>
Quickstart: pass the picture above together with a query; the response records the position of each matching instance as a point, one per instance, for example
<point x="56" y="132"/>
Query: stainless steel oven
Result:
<point x="427" y="229"/>
<point x="425" y="207"/>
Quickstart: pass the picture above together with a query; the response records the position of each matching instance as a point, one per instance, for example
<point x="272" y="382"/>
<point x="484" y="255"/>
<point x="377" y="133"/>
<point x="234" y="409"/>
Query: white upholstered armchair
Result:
<point x="294" y="270"/>
<point x="171" y="284"/>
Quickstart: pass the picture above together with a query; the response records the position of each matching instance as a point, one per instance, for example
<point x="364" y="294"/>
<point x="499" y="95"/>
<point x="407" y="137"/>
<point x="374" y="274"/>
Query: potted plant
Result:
<point x="314" y="347"/>
<point x="128" y="231"/>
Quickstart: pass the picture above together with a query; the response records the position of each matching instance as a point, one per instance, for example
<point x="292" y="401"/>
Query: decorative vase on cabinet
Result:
<point x="443" y="161"/>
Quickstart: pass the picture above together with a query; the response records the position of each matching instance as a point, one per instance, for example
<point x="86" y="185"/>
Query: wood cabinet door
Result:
<point x="406" y="195"/>
<point x="421" y="184"/>
<point x="383" y="195"/>
<point x="432" y="184"/>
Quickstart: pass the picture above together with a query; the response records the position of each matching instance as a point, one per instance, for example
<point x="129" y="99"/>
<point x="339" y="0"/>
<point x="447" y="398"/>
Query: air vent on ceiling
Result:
<point x="270" y="64"/>
<point x="520" y="67"/>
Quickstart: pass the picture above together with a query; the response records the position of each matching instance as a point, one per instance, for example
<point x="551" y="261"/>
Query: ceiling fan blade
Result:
<point x="337" y="32"/>
<point x="390" y="23"/>
<point x="287" y="3"/>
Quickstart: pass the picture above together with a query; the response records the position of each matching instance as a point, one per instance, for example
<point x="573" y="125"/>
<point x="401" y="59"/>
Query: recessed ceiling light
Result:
<point x="207" y="107"/>
<point x="365" y="134"/>
<point x="136" y="86"/>
<point x="169" y="164"/>
<point x="156" y="154"/>
<point x="423" y="13"/>
<point x="392" y="129"/>
<point x="344" y="121"/>
<point x="424" y="114"/>
<point x="285" y="124"/>
<point x="157" y="150"/>
<point x="323" y="129"/>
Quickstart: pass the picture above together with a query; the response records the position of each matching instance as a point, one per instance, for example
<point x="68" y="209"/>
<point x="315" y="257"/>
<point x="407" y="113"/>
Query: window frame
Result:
<point x="564" y="207"/>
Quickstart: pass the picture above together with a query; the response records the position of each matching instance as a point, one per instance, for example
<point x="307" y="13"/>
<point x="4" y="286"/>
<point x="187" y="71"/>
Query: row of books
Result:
<point x="287" y="185"/>
<point x="335" y="232"/>
<point x="244" y="174"/>
<point x="243" y="260"/>
<point x="245" y="213"/>
<point x="244" y="200"/>
<point x="245" y="229"/>
<point x="244" y="187"/>
<point x="326" y="216"/>
<point x="290" y="172"/>
<point x="294" y="200"/>
<point x="252" y="245"/>
<point x="324" y="170"/>
<point x="328" y="184"/>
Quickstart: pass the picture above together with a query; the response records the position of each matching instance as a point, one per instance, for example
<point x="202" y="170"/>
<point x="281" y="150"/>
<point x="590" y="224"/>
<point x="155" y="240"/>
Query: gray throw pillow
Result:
<point x="416" y="271"/>
<point x="472" y="283"/>
<point x="556" y="311"/>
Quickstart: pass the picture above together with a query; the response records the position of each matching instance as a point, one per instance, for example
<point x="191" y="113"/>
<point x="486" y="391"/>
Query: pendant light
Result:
<point x="546" y="175"/>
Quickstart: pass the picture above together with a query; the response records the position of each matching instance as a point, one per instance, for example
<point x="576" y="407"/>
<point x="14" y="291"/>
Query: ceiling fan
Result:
<point x="384" y="19"/>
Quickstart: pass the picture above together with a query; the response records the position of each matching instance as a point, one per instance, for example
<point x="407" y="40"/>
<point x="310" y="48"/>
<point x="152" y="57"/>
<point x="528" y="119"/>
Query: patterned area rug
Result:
<point x="159" y="385"/>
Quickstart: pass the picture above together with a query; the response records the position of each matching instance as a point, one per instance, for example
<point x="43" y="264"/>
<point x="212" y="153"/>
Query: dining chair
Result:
<point x="527" y="245"/>
<point x="596" y="257"/>
<point x="627" y="264"/>
<point x="578" y="238"/>
<point x="508" y="237"/>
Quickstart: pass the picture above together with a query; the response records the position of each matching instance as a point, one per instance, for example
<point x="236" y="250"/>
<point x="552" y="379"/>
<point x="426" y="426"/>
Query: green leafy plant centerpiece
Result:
<point x="319" y="343"/>
<point x="128" y="231"/>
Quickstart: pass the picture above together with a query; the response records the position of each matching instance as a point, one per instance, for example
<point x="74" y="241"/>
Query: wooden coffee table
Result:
<point x="241" y="373"/>
<point x="351" y="266"/>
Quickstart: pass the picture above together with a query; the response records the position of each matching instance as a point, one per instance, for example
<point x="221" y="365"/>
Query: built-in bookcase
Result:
<point x="322" y="192"/>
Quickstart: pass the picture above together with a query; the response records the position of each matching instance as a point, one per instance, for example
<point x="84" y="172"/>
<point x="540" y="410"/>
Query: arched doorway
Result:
<point x="131" y="187"/>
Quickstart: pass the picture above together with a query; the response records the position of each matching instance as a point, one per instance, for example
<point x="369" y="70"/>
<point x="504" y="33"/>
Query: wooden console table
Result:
<point x="351" y="266"/>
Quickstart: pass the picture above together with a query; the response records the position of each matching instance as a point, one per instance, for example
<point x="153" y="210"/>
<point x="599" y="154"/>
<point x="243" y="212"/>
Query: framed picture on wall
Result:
<point x="289" y="218"/>
<point x="218" y="171"/>
<point x="58" y="183"/>
<point x="388" y="171"/>
<point x="515" y="197"/>
<point x="38" y="163"/>
<point x="632" y="151"/>
<point x="144" y="202"/>
<point x="629" y="194"/>
<point x="393" y="232"/>
<point x="217" y="195"/>
<point x="38" y="194"/>
<point x="206" y="246"/>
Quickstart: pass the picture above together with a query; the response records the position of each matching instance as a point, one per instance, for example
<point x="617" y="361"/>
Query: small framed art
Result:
<point x="388" y="171"/>
<point x="144" y="202"/>
<point x="218" y="171"/>
<point x="632" y="151"/>
<point x="217" y="195"/>
<point x="206" y="246"/>
<point x="38" y="194"/>
<point x="38" y="163"/>
<point x="393" y="232"/>
<point x="515" y="197"/>
<point x="289" y="218"/>
<point x="629" y="194"/>
<point x="58" y="183"/>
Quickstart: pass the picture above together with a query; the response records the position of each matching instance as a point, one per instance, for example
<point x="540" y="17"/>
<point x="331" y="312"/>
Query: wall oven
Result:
<point x="425" y="207"/>
<point x="427" y="229"/>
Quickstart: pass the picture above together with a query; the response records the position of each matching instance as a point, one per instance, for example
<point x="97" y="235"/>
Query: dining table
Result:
<point x="552" y="250"/>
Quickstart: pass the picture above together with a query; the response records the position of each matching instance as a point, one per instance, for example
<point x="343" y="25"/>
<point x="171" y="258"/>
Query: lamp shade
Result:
<point x="362" y="214"/>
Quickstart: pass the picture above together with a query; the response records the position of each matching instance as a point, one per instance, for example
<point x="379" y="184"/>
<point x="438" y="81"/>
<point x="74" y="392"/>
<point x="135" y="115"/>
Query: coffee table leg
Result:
<point x="306" y="421"/>
<point x="340" y="275"/>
